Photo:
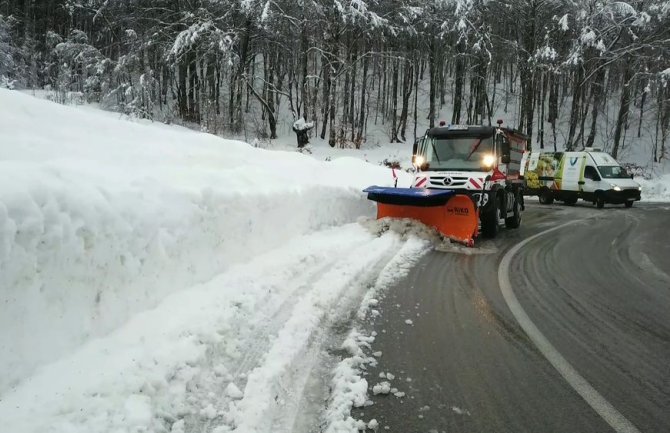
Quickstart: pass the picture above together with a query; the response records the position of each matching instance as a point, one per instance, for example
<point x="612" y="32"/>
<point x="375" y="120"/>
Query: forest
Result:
<point x="343" y="65"/>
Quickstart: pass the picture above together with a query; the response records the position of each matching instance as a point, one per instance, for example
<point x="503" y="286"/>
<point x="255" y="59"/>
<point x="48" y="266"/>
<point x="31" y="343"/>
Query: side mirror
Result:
<point x="596" y="178"/>
<point x="505" y="158"/>
<point x="424" y="166"/>
<point x="632" y="177"/>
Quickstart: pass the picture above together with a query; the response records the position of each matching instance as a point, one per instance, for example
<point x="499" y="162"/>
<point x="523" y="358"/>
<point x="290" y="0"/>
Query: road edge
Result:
<point x="594" y="399"/>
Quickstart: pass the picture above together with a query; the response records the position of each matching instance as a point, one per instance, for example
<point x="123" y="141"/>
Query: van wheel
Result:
<point x="600" y="201"/>
<point x="514" y="221"/>
<point x="546" y="197"/>
<point x="629" y="203"/>
<point x="490" y="220"/>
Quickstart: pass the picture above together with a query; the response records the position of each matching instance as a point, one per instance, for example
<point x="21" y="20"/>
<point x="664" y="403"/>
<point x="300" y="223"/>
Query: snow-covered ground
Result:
<point x="157" y="279"/>
<point x="656" y="188"/>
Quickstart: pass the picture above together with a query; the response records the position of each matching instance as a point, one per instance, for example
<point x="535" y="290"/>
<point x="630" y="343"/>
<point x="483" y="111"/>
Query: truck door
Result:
<point x="572" y="166"/>
<point x="591" y="181"/>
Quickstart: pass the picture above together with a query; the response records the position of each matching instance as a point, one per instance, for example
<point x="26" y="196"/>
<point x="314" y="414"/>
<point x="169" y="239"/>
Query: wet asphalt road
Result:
<point x="599" y="291"/>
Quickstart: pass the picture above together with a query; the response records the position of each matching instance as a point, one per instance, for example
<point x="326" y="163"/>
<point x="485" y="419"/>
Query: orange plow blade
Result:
<point x="453" y="215"/>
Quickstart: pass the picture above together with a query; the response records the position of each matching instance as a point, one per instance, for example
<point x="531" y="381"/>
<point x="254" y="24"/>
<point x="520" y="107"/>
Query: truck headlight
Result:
<point x="419" y="160"/>
<point x="639" y="188"/>
<point x="616" y="187"/>
<point x="488" y="160"/>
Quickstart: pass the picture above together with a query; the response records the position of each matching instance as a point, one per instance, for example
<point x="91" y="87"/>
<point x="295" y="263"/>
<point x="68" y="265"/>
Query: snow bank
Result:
<point x="224" y="355"/>
<point x="656" y="189"/>
<point x="101" y="218"/>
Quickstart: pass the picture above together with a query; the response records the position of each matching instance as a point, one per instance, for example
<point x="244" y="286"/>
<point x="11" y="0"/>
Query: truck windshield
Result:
<point x="463" y="153"/>
<point x="613" y="172"/>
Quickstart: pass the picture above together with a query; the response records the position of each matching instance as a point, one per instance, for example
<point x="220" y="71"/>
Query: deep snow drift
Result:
<point x="101" y="218"/>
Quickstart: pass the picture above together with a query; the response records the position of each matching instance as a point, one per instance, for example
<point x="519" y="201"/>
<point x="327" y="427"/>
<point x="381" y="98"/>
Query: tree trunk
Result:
<point x="642" y="101"/>
<point x="433" y="82"/>
<point x="458" y="83"/>
<point x="543" y="98"/>
<point x="238" y="89"/>
<point x="416" y="98"/>
<point x="352" y="95"/>
<point x="596" y="95"/>
<point x="622" y="117"/>
<point x="394" y="116"/>
<point x="553" y="107"/>
<point x="361" y="116"/>
<point x="326" y="96"/>
<point x="272" y="116"/>
<point x="182" y="102"/>
<point x="408" y="75"/>
<point x="574" y="111"/>
<point x="304" y="95"/>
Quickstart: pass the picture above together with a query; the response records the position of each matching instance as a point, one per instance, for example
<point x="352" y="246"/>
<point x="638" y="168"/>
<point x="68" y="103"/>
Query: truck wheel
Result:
<point x="629" y="203"/>
<point x="490" y="220"/>
<point x="600" y="201"/>
<point x="546" y="197"/>
<point x="514" y="221"/>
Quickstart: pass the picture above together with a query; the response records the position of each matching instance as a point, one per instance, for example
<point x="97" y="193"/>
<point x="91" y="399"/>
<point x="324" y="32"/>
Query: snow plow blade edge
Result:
<point x="453" y="215"/>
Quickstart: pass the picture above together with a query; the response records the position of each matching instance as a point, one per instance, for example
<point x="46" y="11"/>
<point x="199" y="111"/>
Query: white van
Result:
<point x="591" y="175"/>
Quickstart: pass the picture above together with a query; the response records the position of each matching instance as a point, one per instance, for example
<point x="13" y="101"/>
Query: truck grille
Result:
<point x="631" y="193"/>
<point x="447" y="181"/>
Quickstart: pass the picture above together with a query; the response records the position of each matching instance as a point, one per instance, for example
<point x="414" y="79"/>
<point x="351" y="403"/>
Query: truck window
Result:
<point x="613" y="172"/>
<point x="462" y="153"/>
<point x="591" y="173"/>
<point x="504" y="146"/>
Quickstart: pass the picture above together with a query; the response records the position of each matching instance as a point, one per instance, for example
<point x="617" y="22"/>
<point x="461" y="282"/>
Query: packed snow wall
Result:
<point x="101" y="218"/>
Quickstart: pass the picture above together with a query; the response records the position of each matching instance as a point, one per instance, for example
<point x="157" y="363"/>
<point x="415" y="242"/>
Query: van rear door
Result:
<point x="572" y="166"/>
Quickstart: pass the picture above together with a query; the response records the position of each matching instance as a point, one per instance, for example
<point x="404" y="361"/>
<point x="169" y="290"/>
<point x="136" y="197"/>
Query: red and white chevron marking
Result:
<point x="421" y="182"/>
<point x="475" y="183"/>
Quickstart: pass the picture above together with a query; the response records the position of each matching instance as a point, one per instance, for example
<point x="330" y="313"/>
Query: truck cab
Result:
<point x="483" y="162"/>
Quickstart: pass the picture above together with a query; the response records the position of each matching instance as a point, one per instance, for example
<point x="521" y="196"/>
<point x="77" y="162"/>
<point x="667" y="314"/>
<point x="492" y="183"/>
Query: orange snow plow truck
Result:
<point x="467" y="181"/>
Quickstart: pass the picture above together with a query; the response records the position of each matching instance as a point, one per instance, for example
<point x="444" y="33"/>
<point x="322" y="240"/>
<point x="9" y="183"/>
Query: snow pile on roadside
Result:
<point x="656" y="189"/>
<point x="102" y="218"/>
<point x="231" y="354"/>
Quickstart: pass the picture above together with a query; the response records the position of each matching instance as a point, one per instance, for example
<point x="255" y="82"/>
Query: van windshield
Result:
<point x="462" y="153"/>
<point x="613" y="172"/>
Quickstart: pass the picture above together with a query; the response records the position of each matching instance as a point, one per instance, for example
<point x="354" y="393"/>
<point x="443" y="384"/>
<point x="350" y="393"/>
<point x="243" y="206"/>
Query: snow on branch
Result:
<point x="203" y="34"/>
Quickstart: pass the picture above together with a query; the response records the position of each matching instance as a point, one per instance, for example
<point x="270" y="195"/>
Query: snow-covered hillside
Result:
<point x="129" y="253"/>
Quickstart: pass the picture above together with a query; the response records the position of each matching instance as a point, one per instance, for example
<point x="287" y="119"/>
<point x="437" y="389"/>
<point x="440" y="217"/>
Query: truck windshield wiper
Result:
<point x="432" y="143"/>
<point x="474" y="148"/>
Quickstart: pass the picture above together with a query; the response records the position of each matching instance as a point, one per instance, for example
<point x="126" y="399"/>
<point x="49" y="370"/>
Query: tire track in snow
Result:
<point x="257" y="336"/>
<point x="278" y="381"/>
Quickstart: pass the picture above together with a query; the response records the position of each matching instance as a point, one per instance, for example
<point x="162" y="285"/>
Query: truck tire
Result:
<point x="600" y="201"/>
<point x="629" y="203"/>
<point x="546" y="197"/>
<point x="514" y="221"/>
<point x="490" y="220"/>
